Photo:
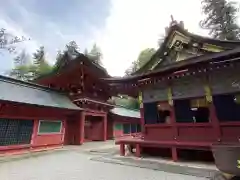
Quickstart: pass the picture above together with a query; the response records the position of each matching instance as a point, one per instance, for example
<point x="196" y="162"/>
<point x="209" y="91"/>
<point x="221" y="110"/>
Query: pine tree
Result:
<point x="221" y="19"/>
<point x="95" y="54"/>
<point x="40" y="63"/>
<point x="21" y="67"/>
<point x="39" y="56"/>
<point x="72" y="49"/>
<point x="22" y="59"/>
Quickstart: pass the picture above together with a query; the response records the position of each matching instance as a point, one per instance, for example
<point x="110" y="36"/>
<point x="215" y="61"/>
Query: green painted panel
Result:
<point x="50" y="127"/>
<point x="118" y="126"/>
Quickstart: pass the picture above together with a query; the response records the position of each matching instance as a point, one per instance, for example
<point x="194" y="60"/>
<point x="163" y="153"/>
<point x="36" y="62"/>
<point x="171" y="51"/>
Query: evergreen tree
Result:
<point x="22" y="67"/>
<point x="95" y="54"/>
<point x="40" y="63"/>
<point x="72" y="49"/>
<point x="39" y="56"/>
<point x="220" y="19"/>
<point x="63" y="57"/>
<point x="59" y="58"/>
<point x="22" y="59"/>
<point x="143" y="57"/>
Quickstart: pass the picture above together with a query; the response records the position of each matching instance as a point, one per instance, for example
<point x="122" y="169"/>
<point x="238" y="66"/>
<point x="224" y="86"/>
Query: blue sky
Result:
<point x="122" y="28"/>
<point x="53" y="23"/>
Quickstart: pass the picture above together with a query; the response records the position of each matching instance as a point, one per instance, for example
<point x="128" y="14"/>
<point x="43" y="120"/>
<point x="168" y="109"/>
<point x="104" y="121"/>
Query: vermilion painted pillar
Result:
<point x="35" y="131"/>
<point x="174" y="127"/>
<point x="138" y="150"/>
<point x="175" y="133"/>
<point x="105" y="127"/>
<point x="63" y="131"/>
<point x="141" y="112"/>
<point x="122" y="149"/>
<point x="174" y="154"/>
<point x="215" y="121"/>
<point x="82" y="122"/>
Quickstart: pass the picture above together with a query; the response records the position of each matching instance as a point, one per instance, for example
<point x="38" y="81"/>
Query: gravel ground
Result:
<point x="76" y="165"/>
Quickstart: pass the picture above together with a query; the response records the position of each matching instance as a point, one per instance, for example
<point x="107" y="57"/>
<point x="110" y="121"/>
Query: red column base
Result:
<point x="174" y="154"/>
<point x="122" y="149"/>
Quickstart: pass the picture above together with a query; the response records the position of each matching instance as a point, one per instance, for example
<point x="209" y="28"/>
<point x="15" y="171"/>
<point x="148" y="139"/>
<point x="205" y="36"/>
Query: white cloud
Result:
<point x="132" y="26"/>
<point x="137" y="24"/>
<point x="30" y="45"/>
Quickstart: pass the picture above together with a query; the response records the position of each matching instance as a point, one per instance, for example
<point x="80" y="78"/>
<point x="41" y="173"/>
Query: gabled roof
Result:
<point x="219" y="57"/>
<point x="69" y="62"/>
<point x="13" y="90"/>
<point x="121" y="111"/>
<point x="226" y="45"/>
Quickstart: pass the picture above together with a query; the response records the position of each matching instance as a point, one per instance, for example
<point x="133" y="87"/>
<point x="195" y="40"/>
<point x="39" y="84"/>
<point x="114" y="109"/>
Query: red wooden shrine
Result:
<point x="32" y="117"/>
<point x="189" y="95"/>
<point x="79" y="77"/>
<point x="69" y="107"/>
<point x="123" y="122"/>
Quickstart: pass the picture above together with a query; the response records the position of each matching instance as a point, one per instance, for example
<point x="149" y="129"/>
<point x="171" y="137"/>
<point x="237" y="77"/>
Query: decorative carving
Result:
<point x="178" y="45"/>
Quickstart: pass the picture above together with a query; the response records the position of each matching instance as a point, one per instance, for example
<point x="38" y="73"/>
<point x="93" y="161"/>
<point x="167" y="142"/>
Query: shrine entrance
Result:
<point x="94" y="128"/>
<point x="72" y="131"/>
<point x="89" y="126"/>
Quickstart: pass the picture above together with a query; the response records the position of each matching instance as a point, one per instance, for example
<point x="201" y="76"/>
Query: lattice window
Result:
<point x="14" y="132"/>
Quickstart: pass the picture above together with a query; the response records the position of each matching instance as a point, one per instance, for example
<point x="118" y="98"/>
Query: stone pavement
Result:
<point x="74" y="163"/>
<point x="206" y="171"/>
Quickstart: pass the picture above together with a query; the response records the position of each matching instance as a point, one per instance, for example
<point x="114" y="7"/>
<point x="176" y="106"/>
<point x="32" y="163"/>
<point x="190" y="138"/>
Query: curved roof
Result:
<point x="214" y="57"/>
<point x="68" y="63"/>
<point x="227" y="45"/>
<point x="120" y="111"/>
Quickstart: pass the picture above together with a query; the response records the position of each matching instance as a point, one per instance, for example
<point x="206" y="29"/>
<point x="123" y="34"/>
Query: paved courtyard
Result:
<point x="75" y="164"/>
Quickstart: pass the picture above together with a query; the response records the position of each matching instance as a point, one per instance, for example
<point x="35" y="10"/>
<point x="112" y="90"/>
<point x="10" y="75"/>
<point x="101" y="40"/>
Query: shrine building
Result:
<point x="189" y="93"/>
<point x="32" y="117"/>
<point x="68" y="108"/>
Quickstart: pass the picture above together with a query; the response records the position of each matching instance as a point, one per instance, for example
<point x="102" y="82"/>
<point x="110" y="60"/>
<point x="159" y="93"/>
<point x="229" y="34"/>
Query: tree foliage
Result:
<point x="95" y="54"/>
<point x="125" y="101"/>
<point x="40" y="63"/>
<point x="21" y="69"/>
<point x="70" y="52"/>
<point x="8" y="41"/>
<point x="26" y="68"/>
<point x="220" y="19"/>
<point x="72" y="49"/>
<point x="144" y="56"/>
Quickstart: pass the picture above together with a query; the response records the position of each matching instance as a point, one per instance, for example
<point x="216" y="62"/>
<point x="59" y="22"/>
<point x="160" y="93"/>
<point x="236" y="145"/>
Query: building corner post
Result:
<point x="122" y="149"/>
<point x="82" y="122"/>
<point x="140" y="99"/>
<point x="34" y="133"/>
<point x="105" y="127"/>
<point x="174" y="154"/>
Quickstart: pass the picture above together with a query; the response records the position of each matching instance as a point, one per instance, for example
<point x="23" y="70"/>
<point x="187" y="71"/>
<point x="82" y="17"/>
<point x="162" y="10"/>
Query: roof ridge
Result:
<point x="177" y="27"/>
